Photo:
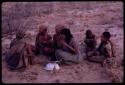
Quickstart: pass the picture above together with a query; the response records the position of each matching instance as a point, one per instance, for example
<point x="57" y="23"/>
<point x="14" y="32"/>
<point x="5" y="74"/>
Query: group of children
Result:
<point x="61" y="47"/>
<point x="98" y="53"/>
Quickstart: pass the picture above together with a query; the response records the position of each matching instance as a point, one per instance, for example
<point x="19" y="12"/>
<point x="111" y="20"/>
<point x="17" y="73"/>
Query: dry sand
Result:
<point x="98" y="20"/>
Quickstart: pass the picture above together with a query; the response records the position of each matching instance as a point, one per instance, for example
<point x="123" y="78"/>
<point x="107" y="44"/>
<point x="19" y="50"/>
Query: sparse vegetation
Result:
<point x="78" y="16"/>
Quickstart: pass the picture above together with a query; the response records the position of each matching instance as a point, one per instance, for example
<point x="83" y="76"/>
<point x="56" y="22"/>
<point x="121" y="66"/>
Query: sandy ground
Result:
<point x="108" y="18"/>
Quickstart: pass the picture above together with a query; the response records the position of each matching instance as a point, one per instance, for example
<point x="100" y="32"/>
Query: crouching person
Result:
<point x="19" y="55"/>
<point x="43" y="44"/>
<point x="90" y="42"/>
<point x="68" y="49"/>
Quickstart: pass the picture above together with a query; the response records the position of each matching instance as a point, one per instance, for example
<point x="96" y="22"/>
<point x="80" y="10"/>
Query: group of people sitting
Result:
<point x="61" y="47"/>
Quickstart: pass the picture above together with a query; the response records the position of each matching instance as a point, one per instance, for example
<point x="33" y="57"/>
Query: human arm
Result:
<point x="72" y="47"/>
<point x="112" y="48"/>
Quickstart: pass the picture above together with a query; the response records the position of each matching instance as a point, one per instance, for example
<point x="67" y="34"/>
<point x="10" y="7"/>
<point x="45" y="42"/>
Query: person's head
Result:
<point x="66" y="32"/>
<point x="20" y="34"/>
<point x="105" y="36"/>
<point x="58" y="28"/>
<point x="89" y="34"/>
<point x="43" y="29"/>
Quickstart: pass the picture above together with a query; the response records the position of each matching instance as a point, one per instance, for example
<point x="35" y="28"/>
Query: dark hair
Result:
<point x="106" y="35"/>
<point x="67" y="33"/>
<point x="89" y="34"/>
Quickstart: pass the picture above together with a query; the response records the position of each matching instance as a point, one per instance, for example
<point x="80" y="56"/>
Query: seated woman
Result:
<point x="44" y="43"/>
<point x="19" y="54"/>
<point x="56" y="36"/>
<point x="104" y="51"/>
<point x="90" y="42"/>
<point x="68" y="50"/>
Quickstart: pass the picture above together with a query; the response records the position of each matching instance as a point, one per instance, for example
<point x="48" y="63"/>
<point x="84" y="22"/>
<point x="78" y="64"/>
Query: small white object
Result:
<point x="52" y="66"/>
<point x="56" y="66"/>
